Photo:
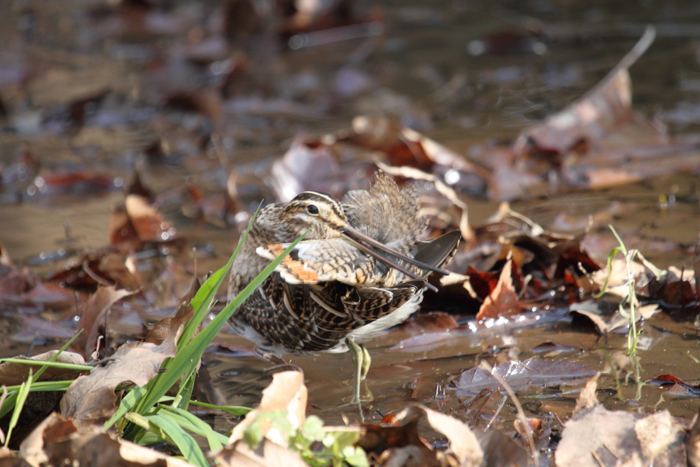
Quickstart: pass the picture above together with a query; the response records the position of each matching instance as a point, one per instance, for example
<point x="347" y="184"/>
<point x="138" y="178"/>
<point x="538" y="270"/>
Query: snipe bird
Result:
<point x="359" y="270"/>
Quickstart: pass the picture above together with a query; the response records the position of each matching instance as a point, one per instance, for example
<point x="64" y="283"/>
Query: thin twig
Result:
<point x="521" y="414"/>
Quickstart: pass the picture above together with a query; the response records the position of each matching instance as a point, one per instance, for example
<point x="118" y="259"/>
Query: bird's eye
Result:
<point x="312" y="209"/>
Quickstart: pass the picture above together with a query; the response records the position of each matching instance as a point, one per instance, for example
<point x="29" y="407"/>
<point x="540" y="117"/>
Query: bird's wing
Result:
<point x="315" y="261"/>
<point x="319" y="316"/>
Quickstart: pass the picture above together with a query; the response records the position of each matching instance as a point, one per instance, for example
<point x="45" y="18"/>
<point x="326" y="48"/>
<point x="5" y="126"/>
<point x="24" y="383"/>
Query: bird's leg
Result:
<point x="357" y="358"/>
<point x="366" y="362"/>
<point x="362" y="361"/>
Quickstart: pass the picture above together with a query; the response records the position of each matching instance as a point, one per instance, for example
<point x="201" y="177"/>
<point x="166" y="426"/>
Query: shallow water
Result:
<point x="423" y="75"/>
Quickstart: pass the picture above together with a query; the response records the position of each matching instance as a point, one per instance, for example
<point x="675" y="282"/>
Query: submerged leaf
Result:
<point x="521" y="375"/>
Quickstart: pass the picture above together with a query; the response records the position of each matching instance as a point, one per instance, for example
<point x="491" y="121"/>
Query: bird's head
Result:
<point x="319" y="212"/>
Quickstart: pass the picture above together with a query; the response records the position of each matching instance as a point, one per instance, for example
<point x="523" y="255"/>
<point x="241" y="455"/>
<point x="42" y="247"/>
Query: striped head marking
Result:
<point x="317" y="211"/>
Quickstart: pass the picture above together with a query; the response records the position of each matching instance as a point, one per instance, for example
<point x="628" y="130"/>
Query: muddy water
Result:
<point x="424" y="73"/>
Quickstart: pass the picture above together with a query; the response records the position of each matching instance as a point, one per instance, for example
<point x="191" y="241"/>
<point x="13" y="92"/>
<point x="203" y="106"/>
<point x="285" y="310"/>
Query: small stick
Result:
<point x="521" y="414"/>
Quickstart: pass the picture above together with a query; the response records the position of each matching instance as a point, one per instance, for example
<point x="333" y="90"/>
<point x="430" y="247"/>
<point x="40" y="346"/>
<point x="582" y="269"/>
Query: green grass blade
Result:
<point x="192" y="353"/>
<point x="184" y="394"/>
<point x="39" y="386"/>
<point x="232" y="409"/>
<point x="47" y="364"/>
<point x="206" y="293"/>
<point x="611" y="256"/>
<point x="623" y="248"/>
<point x="183" y="440"/>
<point x="21" y="399"/>
<point x="196" y="425"/>
<point x="127" y="404"/>
<point x="11" y="399"/>
<point x="60" y="351"/>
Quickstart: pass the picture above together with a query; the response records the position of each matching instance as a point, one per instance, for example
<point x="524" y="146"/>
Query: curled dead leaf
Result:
<point x="286" y="392"/>
<point x="91" y="400"/>
<point x="57" y="441"/>
<point x="91" y="315"/>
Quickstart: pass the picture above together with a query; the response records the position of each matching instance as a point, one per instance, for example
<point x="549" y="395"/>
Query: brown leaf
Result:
<point x="392" y="442"/>
<point x="601" y="109"/>
<point x="588" y="398"/>
<point x="91" y="315"/>
<point x="693" y="444"/>
<point x="33" y="326"/>
<point x="71" y="182"/>
<point x="103" y="266"/>
<point x="519" y="375"/>
<point x="138" y="222"/>
<point x="500" y="449"/>
<point x="91" y="400"/>
<point x="657" y="433"/>
<point x="433" y="321"/>
<point x="23" y="287"/>
<point x="503" y="301"/>
<point x="149" y="224"/>
<point x="5" y="257"/>
<point x="286" y="392"/>
<point x="268" y="454"/>
<point x="57" y="441"/>
<point x="596" y="437"/>
<point x="605" y="315"/>
<point x="168" y="327"/>
<point x="463" y="442"/>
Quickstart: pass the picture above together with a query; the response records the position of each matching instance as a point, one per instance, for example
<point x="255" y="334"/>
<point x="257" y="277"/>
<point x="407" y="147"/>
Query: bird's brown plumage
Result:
<point x="327" y="289"/>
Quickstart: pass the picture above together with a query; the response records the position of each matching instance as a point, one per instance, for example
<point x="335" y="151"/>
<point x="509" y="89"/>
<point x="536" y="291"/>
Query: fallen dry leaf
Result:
<point x="57" y="441"/>
<point x="91" y="316"/>
<point x="607" y="317"/>
<point x="138" y="222"/>
<point x="286" y="392"/>
<point x="91" y="400"/>
<point x="693" y="444"/>
<point x="500" y="450"/>
<point x="34" y="327"/>
<point x="520" y="375"/>
<point x="596" y="437"/>
<point x="400" y="442"/>
<point x="601" y="109"/>
<point x="268" y="454"/>
<point x="103" y="266"/>
<point x="22" y="287"/>
<point x="588" y="398"/>
<point x="503" y="301"/>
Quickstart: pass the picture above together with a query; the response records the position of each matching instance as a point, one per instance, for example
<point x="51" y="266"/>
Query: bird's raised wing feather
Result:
<point x="335" y="259"/>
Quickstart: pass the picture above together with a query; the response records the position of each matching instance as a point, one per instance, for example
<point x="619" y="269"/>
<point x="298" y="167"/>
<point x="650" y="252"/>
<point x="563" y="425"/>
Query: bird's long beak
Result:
<point x="370" y="246"/>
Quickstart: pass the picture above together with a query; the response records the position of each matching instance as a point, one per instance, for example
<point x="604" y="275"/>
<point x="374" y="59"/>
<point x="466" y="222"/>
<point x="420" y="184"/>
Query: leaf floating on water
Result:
<point x="667" y="380"/>
<point x="522" y="374"/>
